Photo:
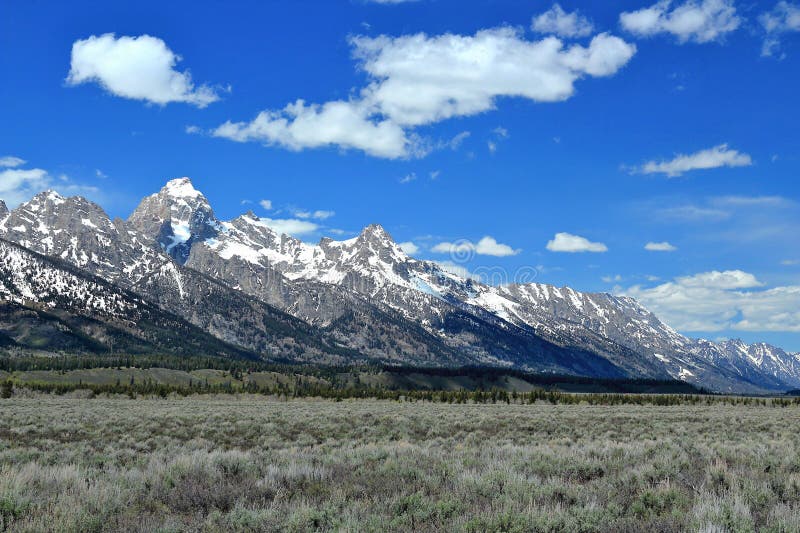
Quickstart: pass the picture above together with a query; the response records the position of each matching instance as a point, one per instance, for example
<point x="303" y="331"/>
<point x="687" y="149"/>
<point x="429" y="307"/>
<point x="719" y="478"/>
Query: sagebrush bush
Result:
<point x="249" y="463"/>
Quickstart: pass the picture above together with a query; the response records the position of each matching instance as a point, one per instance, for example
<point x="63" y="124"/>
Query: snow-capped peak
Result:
<point x="47" y="197"/>
<point x="376" y="232"/>
<point x="176" y="217"/>
<point x="181" y="188"/>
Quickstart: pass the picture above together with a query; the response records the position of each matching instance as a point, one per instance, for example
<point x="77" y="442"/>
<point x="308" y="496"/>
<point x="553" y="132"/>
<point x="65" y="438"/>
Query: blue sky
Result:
<point x="447" y="122"/>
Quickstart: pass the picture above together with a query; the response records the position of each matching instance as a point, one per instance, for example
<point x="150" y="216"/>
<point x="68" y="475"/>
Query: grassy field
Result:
<point x="250" y="463"/>
<point x="395" y="379"/>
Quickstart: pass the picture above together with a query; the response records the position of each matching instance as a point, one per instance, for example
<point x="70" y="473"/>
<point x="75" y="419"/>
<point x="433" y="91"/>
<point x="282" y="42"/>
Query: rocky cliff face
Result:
<point x="175" y="218"/>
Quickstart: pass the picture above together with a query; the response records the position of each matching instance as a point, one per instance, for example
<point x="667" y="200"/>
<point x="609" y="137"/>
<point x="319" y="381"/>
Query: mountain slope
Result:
<point x="46" y="304"/>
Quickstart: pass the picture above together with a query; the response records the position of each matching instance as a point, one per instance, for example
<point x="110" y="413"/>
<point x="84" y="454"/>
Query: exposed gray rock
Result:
<point x="175" y="217"/>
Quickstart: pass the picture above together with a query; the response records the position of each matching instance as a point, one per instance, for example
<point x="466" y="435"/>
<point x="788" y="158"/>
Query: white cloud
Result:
<point x="420" y="79"/>
<point x="290" y="226"/>
<point x="18" y="185"/>
<point x="501" y="132"/>
<point x="489" y="246"/>
<point x="139" y="68"/>
<point x="10" y="161"/>
<point x="716" y="157"/>
<point x="728" y="279"/>
<point x="659" y="247"/>
<point x="698" y="21"/>
<point x="451" y="248"/>
<point x="346" y="124"/>
<point x="486" y="246"/>
<point x="434" y="174"/>
<point x="317" y="215"/>
<point x="265" y="204"/>
<point x="416" y="80"/>
<point x="790" y="262"/>
<point x="752" y="201"/>
<point x="408" y="178"/>
<point x="611" y="279"/>
<point x="559" y="22"/>
<point x="193" y="130"/>
<point x="456" y="142"/>
<point x="566" y="242"/>
<point x="321" y="214"/>
<point x="692" y="213"/>
<point x="409" y="247"/>
<point x="784" y="18"/>
<point x="715" y="301"/>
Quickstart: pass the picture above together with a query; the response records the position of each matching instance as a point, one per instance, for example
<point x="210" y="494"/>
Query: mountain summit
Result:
<point x="175" y="217"/>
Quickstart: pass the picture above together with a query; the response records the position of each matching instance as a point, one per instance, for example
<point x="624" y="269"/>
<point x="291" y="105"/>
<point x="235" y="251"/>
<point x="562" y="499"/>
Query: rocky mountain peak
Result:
<point x="375" y="233"/>
<point x="176" y="217"/>
<point x="3" y="209"/>
<point x="181" y="188"/>
<point x="48" y="197"/>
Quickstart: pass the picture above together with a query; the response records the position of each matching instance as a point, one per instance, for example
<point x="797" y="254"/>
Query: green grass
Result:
<point x="250" y="463"/>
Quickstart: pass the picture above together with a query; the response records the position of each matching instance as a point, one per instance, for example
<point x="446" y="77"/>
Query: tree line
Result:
<point x="301" y="389"/>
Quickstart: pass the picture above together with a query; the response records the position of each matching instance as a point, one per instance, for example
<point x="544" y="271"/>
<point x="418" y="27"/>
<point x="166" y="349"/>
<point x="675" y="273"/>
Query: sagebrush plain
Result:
<point x="250" y="463"/>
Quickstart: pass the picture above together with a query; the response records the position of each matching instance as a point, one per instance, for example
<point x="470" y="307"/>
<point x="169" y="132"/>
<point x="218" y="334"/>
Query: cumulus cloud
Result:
<point x="727" y="300"/>
<point x="346" y="124"/>
<point x="728" y="279"/>
<point x="659" y="247"/>
<point x="698" y="21"/>
<point x="420" y="79"/>
<point x="291" y="226"/>
<point x="715" y="157"/>
<point x="10" y="161"/>
<point x="486" y="246"/>
<point x="139" y="68"/>
<point x="489" y="246"/>
<point x="18" y="185"/>
<point x="416" y="80"/>
<point x="784" y="18"/>
<point x="566" y="242"/>
<point x="409" y="247"/>
<point x="559" y="22"/>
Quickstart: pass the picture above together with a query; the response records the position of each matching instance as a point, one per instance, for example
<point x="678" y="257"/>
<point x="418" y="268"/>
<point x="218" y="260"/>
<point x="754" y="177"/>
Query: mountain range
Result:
<point x="173" y="278"/>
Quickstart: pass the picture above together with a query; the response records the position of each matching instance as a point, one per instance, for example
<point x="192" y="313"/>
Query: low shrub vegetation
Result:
<point x="242" y="462"/>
